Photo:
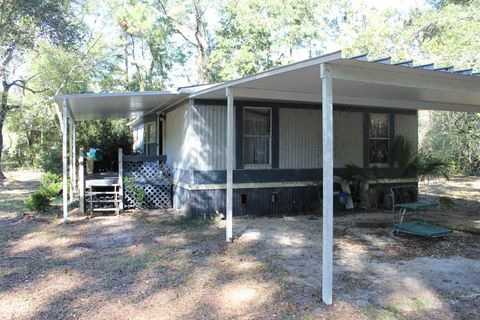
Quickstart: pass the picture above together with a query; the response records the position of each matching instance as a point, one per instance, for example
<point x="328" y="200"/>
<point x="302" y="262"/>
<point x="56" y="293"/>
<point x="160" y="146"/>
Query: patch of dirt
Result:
<point x="13" y="192"/>
<point x="140" y="267"/>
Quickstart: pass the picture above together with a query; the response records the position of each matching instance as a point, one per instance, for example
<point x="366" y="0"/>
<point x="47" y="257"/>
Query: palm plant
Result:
<point x="417" y="165"/>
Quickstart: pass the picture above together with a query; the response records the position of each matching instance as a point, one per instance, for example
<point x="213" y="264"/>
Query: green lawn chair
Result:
<point x="405" y="201"/>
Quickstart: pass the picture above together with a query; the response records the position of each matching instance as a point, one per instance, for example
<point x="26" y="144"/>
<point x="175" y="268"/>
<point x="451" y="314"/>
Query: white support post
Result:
<point x="74" y="157"/>
<point x="229" y="165"/>
<point x="81" y="180"/>
<point x="70" y="155"/>
<point x="65" y="161"/>
<point x="327" y="125"/>
<point x="120" y="177"/>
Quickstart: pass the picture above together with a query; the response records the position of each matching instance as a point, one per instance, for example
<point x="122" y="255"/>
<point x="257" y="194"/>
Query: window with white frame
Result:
<point x="257" y="137"/>
<point x="378" y="139"/>
<point x="150" y="138"/>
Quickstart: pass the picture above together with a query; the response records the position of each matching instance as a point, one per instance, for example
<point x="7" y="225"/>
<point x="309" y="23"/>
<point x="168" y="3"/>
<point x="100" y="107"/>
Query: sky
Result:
<point x="396" y="4"/>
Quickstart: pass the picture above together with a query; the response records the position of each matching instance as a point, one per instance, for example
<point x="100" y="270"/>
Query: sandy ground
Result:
<point x="151" y="267"/>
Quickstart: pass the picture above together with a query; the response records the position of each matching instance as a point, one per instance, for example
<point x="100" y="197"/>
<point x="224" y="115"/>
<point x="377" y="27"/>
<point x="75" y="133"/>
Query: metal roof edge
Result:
<point x="59" y="98"/>
<point x="289" y="67"/>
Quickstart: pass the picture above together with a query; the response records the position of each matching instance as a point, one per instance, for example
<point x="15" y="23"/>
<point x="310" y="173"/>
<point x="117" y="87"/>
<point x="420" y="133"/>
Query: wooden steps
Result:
<point x="103" y="195"/>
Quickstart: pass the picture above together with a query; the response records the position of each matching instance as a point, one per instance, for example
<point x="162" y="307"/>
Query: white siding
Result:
<point x="407" y="126"/>
<point x="348" y="138"/>
<point x="194" y="137"/>
<point x="300" y="138"/>
<point x="138" y="138"/>
<point x="209" y="126"/>
<point x="175" y="139"/>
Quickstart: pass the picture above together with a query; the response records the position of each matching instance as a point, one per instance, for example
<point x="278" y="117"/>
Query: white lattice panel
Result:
<point x="155" y="178"/>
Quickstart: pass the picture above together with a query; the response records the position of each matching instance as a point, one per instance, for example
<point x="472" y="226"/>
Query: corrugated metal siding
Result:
<point x="348" y="138"/>
<point x="300" y="138"/>
<point x="407" y="126"/>
<point x="301" y="143"/>
<point x="209" y="126"/>
<point x="175" y="139"/>
<point x="259" y="202"/>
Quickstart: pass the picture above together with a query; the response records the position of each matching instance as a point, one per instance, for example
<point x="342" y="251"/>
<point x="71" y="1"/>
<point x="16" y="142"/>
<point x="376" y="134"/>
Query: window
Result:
<point x="256" y="137"/>
<point x="150" y="134"/>
<point x="378" y="139"/>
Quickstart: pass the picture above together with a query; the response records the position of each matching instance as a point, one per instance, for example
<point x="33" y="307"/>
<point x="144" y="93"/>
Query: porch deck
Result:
<point x="101" y="179"/>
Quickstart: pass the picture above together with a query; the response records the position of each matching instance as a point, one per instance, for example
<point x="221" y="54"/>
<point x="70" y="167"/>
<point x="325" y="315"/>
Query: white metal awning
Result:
<point x="125" y="105"/>
<point x="360" y="83"/>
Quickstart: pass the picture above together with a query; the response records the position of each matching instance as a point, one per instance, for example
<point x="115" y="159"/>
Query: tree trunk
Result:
<point x="3" y="114"/>
<point x="199" y="38"/>
<point x="125" y="55"/>
<point x="6" y="58"/>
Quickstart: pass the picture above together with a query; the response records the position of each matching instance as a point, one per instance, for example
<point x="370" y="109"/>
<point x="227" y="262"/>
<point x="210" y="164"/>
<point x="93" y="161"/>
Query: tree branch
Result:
<point x="174" y="23"/>
<point x="23" y="85"/>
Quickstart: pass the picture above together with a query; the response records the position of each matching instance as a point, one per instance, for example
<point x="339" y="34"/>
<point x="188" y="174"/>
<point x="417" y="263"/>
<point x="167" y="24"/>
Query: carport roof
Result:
<point x="126" y="105"/>
<point x="356" y="82"/>
<point x="359" y="82"/>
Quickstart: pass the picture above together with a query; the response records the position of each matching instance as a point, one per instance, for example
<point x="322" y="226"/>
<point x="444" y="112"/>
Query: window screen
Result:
<point x="378" y="138"/>
<point x="256" y="136"/>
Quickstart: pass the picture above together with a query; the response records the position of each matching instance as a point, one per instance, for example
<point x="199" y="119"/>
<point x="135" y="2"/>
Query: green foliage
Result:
<point x="429" y="167"/>
<point x="51" y="184"/>
<point x="356" y="173"/>
<point x="50" y="187"/>
<point x="137" y="193"/>
<point x="404" y="151"/>
<point x="108" y="135"/>
<point x="49" y="159"/>
<point x="23" y="24"/>
<point x="453" y="137"/>
<point x="257" y="35"/>
<point x="38" y="201"/>
<point x="418" y="165"/>
<point x="24" y="21"/>
<point x="145" y="40"/>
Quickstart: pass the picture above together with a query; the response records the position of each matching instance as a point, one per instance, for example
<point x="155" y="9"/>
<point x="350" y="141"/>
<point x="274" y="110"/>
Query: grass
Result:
<point x="127" y="263"/>
<point x="186" y="223"/>
<point x="388" y="313"/>
<point x="419" y="305"/>
<point x="11" y="208"/>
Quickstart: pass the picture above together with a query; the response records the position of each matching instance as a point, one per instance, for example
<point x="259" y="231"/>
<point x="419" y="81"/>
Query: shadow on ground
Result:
<point x="144" y="267"/>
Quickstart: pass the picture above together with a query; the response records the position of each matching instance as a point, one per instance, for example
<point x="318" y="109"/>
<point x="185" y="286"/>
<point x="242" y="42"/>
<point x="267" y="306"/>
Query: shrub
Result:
<point x="137" y="193"/>
<point x="50" y="159"/>
<point x="51" y="184"/>
<point x="38" y="201"/>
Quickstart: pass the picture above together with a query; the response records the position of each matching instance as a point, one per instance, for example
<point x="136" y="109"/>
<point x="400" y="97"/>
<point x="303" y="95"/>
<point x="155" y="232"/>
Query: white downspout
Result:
<point x="70" y="155"/>
<point x="65" y="161"/>
<point x="229" y="165"/>
<point x="74" y="152"/>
